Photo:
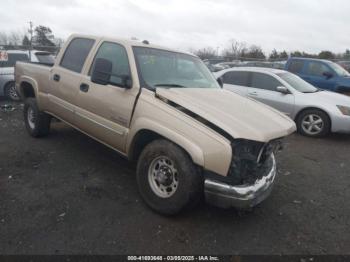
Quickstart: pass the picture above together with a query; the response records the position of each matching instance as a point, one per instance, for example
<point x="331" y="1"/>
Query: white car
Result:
<point x="315" y="111"/>
<point x="8" y="59"/>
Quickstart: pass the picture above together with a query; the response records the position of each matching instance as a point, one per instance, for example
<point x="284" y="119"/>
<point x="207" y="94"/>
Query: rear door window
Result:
<point x="264" y="81"/>
<point x="76" y="54"/>
<point x="236" y="78"/>
<point x="296" y="66"/>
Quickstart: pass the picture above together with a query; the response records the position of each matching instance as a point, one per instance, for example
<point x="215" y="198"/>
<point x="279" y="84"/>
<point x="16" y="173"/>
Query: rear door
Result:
<point x="236" y="81"/>
<point x="65" y="78"/>
<point x="104" y="111"/>
<point x="315" y="72"/>
<point x="264" y="89"/>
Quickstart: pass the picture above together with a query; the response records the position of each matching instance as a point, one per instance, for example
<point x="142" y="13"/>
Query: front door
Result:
<point x="104" y="111"/>
<point x="263" y="88"/>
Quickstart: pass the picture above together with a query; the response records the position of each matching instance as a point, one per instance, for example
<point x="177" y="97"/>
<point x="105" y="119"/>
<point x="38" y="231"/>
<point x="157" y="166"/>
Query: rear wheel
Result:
<point x="167" y="178"/>
<point x="313" y="123"/>
<point x="36" y="122"/>
<point x="11" y="92"/>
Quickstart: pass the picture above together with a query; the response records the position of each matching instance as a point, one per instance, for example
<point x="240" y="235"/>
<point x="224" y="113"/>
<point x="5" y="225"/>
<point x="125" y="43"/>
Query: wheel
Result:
<point x="167" y="179"/>
<point x="11" y="92"/>
<point x="313" y="123"/>
<point x="36" y="122"/>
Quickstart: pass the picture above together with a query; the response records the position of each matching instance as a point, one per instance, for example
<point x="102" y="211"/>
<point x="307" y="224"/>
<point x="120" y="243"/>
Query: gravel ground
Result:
<point x="67" y="194"/>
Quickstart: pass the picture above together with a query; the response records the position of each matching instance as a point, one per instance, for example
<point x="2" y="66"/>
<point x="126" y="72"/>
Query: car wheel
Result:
<point x="11" y="92"/>
<point x="167" y="179"/>
<point x="313" y="123"/>
<point x="37" y="123"/>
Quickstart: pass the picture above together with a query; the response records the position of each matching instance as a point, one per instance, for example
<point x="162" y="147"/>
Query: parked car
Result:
<point x="163" y="109"/>
<point x="315" y="111"/>
<point x="345" y="65"/>
<point x="321" y="73"/>
<point x="214" y="64"/>
<point x="7" y="83"/>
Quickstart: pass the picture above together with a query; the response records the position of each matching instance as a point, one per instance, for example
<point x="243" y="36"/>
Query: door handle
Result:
<point x="56" y="77"/>
<point x="253" y="94"/>
<point x="84" y="87"/>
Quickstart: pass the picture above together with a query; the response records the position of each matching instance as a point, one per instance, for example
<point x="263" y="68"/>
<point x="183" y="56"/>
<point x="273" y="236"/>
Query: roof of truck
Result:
<point x="130" y="42"/>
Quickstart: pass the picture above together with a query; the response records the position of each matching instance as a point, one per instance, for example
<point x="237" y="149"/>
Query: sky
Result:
<point x="306" y="25"/>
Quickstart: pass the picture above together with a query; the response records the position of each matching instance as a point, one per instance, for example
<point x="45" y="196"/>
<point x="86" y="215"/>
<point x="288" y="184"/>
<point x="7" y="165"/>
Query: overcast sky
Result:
<point x="308" y="25"/>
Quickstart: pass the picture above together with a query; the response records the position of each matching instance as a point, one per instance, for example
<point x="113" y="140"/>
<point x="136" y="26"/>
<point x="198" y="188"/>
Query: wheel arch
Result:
<point x="27" y="88"/>
<point x="313" y="108"/>
<point x="148" y="133"/>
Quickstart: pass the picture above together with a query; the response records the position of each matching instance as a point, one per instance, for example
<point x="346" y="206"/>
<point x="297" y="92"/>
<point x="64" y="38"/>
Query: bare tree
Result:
<point x="235" y="49"/>
<point x="205" y="53"/>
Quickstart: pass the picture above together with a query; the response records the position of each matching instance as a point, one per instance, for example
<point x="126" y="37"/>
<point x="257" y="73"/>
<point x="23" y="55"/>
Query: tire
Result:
<point x="11" y="92"/>
<point x="37" y="123"/>
<point x="320" y="123"/>
<point x="178" y="169"/>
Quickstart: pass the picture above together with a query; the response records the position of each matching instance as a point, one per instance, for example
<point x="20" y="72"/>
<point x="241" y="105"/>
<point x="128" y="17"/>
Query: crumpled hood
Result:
<point x="239" y="116"/>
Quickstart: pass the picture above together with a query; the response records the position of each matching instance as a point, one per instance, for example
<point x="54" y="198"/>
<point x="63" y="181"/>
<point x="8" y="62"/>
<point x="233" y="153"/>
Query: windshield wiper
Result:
<point x="170" y="85"/>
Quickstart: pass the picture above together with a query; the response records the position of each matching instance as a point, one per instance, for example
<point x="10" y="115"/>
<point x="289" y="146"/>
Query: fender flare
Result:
<point x="31" y="81"/>
<point x="191" y="148"/>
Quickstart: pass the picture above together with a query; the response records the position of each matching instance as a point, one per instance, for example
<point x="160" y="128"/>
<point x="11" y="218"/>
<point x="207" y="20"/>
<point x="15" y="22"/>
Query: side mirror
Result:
<point x="328" y="74"/>
<point x="126" y="81"/>
<point x="283" y="90"/>
<point x="101" y="73"/>
<point x="220" y="81"/>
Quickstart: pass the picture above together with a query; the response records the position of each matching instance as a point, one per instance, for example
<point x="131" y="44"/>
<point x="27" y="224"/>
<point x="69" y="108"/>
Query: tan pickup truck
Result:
<point x="163" y="109"/>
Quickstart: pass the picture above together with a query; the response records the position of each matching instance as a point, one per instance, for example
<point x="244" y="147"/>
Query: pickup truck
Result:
<point x="165" y="111"/>
<point x="323" y="74"/>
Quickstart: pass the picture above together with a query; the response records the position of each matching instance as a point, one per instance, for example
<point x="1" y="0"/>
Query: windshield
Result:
<point x="160" y="68"/>
<point x="338" y="69"/>
<point x="297" y="83"/>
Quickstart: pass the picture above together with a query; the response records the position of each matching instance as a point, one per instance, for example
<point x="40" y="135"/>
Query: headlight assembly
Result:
<point x="345" y="110"/>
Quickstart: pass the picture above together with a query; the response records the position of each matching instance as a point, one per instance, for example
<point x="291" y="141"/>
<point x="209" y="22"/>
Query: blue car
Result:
<point x="323" y="74"/>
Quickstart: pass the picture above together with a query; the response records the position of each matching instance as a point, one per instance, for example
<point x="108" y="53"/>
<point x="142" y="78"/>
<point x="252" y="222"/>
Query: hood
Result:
<point x="331" y="98"/>
<point x="238" y="116"/>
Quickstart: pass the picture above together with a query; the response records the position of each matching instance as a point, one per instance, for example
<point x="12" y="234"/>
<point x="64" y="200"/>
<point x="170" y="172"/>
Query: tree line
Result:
<point x="42" y="38"/>
<point x="237" y="50"/>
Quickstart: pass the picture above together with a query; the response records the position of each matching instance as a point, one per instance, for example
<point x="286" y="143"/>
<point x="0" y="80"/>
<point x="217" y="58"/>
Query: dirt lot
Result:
<point x="67" y="194"/>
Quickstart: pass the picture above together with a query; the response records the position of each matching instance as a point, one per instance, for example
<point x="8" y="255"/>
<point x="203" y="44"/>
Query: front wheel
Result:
<point x="313" y="123"/>
<point x="36" y="122"/>
<point x="167" y="178"/>
<point x="11" y="92"/>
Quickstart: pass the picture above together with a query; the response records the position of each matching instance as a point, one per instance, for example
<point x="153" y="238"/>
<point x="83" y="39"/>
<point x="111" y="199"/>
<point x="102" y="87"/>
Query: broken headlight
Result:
<point x="251" y="160"/>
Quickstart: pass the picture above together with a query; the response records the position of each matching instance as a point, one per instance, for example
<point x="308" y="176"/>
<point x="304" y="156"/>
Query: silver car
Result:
<point x="315" y="111"/>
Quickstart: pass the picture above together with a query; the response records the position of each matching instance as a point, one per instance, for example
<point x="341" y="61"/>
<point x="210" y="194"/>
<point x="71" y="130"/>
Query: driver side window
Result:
<point x="316" y="69"/>
<point x="264" y="81"/>
<point x="120" y="63"/>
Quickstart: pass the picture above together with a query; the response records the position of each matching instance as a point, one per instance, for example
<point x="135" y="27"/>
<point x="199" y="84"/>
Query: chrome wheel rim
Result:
<point x="13" y="93"/>
<point x="312" y="124"/>
<point x="163" y="177"/>
<point x="31" y="118"/>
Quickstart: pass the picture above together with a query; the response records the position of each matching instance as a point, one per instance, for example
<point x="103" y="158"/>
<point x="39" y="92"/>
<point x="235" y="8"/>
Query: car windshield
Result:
<point x="297" y="83"/>
<point x="160" y="68"/>
<point x="338" y="69"/>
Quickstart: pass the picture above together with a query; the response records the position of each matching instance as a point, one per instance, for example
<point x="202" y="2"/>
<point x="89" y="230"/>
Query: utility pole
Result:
<point x="30" y="31"/>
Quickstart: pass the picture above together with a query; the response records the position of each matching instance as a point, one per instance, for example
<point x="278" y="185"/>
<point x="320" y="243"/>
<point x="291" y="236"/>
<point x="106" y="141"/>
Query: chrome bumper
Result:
<point x="244" y="196"/>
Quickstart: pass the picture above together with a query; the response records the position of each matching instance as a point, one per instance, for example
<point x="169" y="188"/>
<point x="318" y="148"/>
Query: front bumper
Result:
<point x="242" y="196"/>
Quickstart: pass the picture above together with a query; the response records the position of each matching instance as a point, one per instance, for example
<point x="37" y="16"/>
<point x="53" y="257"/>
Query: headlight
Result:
<point x="345" y="110"/>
